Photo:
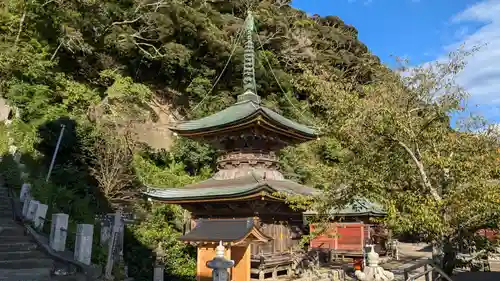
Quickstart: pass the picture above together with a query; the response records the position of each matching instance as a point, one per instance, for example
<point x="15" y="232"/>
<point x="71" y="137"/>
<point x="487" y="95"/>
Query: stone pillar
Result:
<point x="117" y="221"/>
<point x="26" y="205"/>
<point x="220" y="264"/>
<point x="59" y="232"/>
<point x="25" y="190"/>
<point x="83" y="243"/>
<point x="33" y="204"/>
<point x="158" y="272"/>
<point x="40" y="213"/>
<point x="373" y="272"/>
<point x="105" y="234"/>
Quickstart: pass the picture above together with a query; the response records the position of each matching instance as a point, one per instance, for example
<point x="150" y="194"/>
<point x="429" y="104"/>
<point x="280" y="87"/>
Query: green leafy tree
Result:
<point x="436" y="181"/>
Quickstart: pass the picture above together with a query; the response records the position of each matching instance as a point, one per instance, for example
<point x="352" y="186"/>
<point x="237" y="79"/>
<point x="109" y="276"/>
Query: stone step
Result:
<point x="5" y="213"/>
<point x="76" y="277"/>
<point x="31" y="274"/>
<point x="4" y="202"/>
<point x="5" y="205"/>
<point x="27" y="263"/>
<point x="21" y="255"/>
<point x="18" y="246"/>
<point x="6" y="221"/>
<point x="5" y="209"/>
<point x="10" y="230"/>
<point x="9" y="239"/>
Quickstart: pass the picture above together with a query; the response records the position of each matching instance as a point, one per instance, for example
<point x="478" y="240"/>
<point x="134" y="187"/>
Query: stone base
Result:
<point x="331" y="275"/>
<point x="494" y="265"/>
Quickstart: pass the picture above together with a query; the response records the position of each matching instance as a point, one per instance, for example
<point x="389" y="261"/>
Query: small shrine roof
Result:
<point x="214" y="189"/>
<point x="244" y="113"/>
<point x="358" y="207"/>
<point x="225" y="230"/>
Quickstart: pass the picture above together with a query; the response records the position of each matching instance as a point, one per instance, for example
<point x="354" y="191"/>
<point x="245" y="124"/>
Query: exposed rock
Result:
<point x="5" y="110"/>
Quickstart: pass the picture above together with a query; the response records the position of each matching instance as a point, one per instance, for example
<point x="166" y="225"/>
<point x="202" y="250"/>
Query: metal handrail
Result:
<point x="426" y="272"/>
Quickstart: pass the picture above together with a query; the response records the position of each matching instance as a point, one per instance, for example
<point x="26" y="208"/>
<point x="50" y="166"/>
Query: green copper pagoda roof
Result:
<point x="358" y="207"/>
<point x="242" y="187"/>
<point x="247" y="111"/>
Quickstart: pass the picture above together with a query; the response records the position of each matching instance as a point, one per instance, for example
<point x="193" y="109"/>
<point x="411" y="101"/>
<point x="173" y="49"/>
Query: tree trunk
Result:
<point x="421" y="170"/>
<point x="437" y="257"/>
<point x="444" y="256"/>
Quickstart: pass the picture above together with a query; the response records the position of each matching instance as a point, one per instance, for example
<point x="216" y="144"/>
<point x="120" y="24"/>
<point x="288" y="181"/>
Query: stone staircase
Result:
<point x="20" y="257"/>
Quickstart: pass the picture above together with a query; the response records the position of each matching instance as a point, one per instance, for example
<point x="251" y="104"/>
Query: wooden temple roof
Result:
<point x="227" y="189"/>
<point x="234" y="231"/>
<point x="247" y="112"/>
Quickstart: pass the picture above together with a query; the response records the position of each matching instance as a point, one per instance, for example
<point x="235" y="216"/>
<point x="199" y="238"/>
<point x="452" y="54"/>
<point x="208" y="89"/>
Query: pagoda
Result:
<point x="239" y="205"/>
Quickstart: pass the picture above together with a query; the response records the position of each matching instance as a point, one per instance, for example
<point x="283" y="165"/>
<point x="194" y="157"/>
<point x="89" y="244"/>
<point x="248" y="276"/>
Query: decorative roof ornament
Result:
<point x="219" y="250"/>
<point x="249" y="84"/>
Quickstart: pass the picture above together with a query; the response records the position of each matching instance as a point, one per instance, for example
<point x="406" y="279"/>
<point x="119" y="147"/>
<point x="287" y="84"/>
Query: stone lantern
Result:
<point x="373" y="272"/>
<point x="220" y="264"/>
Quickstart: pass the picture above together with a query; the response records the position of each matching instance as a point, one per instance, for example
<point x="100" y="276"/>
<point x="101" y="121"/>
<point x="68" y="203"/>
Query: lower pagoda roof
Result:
<point x="233" y="231"/>
<point x="229" y="189"/>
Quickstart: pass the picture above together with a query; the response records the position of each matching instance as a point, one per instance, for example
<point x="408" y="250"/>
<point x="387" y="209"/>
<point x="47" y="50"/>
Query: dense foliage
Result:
<point x="102" y="67"/>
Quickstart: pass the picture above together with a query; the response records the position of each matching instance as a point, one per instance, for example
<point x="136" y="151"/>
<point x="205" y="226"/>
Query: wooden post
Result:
<point x="241" y="257"/>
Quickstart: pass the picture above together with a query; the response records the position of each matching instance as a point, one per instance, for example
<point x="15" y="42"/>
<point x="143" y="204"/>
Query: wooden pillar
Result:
<point x="206" y="252"/>
<point x="241" y="257"/>
<point x="362" y="237"/>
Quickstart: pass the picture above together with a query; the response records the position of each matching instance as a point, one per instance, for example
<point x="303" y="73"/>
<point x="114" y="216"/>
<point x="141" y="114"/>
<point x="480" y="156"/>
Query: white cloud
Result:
<point x="481" y="77"/>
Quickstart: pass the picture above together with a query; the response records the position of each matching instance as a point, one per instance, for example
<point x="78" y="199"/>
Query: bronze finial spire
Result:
<point x="249" y="85"/>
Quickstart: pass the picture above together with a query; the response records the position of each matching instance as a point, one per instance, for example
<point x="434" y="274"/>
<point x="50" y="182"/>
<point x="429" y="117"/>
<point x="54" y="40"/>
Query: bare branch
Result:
<point x="158" y="53"/>
<point x="126" y="21"/>
<point x="21" y="23"/>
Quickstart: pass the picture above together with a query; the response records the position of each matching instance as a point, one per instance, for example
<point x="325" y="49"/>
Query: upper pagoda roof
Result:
<point x="247" y="112"/>
<point x="233" y="189"/>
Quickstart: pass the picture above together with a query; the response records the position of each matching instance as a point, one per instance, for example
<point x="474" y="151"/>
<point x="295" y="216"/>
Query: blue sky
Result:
<point x="426" y="30"/>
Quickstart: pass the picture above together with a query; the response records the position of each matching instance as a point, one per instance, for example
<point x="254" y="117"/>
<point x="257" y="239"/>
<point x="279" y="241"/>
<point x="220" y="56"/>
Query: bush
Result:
<point x="10" y="172"/>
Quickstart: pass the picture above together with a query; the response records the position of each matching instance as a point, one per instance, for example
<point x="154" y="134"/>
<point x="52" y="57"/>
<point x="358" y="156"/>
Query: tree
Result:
<point x="111" y="166"/>
<point x="435" y="180"/>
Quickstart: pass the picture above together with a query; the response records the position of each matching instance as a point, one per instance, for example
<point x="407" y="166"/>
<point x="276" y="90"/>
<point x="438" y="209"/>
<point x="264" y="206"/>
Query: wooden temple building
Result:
<point x="350" y="230"/>
<point x="239" y="205"/>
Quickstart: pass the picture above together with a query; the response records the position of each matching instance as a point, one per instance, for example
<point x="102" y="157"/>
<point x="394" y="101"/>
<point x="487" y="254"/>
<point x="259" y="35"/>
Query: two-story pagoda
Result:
<point x="238" y="204"/>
